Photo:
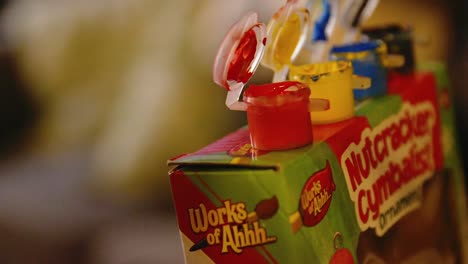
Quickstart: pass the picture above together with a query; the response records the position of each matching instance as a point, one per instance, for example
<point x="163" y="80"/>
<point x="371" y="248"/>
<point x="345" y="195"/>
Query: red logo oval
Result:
<point x="316" y="196"/>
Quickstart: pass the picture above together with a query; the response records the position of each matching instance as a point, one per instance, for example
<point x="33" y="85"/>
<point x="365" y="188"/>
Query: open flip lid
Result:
<point x="238" y="58"/>
<point x="287" y="33"/>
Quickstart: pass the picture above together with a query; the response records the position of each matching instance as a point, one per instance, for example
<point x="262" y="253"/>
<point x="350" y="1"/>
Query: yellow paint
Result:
<point x="284" y="39"/>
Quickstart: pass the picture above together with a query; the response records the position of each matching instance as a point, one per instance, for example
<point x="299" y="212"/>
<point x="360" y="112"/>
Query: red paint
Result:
<point x="279" y="118"/>
<point x="342" y="256"/>
<point x="274" y="89"/>
<point x="240" y="65"/>
<point x="318" y="188"/>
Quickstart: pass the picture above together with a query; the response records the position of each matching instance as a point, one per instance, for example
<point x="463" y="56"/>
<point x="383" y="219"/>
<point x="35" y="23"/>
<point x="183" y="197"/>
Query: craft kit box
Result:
<point x="382" y="187"/>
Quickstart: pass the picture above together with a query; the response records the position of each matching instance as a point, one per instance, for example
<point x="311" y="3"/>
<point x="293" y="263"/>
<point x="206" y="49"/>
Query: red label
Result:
<point x="183" y="187"/>
<point x="316" y="196"/>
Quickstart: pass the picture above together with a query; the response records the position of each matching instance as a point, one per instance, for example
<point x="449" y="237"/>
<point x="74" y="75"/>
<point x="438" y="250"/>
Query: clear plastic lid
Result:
<point x="287" y="33"/>
<point x="238" y="58"/>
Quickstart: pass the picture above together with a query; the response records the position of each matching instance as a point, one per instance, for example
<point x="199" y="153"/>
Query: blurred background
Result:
<point x="95" y="96"/>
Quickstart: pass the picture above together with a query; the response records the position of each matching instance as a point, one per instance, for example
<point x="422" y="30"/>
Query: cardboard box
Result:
<point x="382" y="187"/>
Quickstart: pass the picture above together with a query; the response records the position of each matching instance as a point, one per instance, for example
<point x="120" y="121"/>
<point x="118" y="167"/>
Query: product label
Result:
<point x="246" y="150"/>
<point x="231" y="226"/>
<point x="385" y="171"/>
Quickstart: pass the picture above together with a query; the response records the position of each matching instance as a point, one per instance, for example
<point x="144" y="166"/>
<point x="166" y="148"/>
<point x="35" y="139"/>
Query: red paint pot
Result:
<point x="278" y="115"/>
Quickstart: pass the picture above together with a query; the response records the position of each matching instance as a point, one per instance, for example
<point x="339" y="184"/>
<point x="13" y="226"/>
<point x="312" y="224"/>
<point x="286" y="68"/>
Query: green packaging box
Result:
<point x="383" y="187"/>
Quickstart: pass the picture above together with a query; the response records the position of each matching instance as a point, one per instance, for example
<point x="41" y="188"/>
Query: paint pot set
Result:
<point x="342" y="120"/>
<point x="281" y="114"/>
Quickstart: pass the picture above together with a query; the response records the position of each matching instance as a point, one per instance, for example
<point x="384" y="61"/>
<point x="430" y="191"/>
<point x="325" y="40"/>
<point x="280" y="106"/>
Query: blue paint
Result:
<point x="321" y="24"/>
<point x="356" y="47"/>
<point x="378" y="75"/>
<point x="370" y="66"/>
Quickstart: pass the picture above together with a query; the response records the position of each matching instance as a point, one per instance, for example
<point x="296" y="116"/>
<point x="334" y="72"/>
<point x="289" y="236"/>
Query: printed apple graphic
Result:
<point x="342" y="255"/>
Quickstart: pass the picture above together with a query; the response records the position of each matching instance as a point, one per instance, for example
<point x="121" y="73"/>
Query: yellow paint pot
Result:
<point x="333" y="81"/>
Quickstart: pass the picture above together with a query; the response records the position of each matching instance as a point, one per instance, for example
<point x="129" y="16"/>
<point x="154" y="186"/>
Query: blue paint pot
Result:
<point x="366" y="58"/>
